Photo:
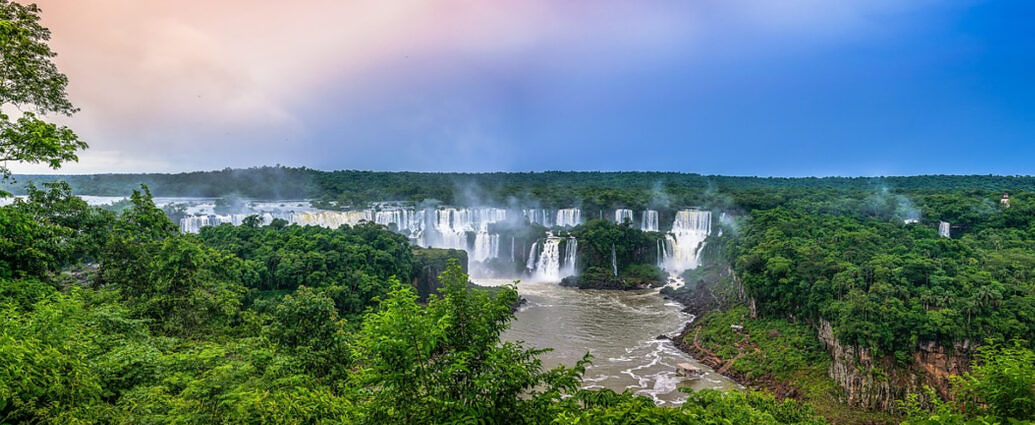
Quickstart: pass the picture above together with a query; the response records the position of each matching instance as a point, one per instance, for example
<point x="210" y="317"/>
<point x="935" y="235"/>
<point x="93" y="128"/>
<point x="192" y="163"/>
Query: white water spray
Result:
<point x="530" y="264"/>
<point x="568" y="217"/>
<point x="623" y="214"/>
<point x="548" y="268"/>
<point x="570" y="254"/>
<point x="683" y="244"/>
<point x="649" y="221"/>
<point x="614" y="261"/>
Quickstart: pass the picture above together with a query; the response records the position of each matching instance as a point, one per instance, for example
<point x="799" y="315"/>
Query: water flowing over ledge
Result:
<point x="476" y="231"/>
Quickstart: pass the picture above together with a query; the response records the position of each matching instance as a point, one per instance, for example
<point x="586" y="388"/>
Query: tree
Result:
<point x="1002" y="383"/>
<point x="30" y="82"/>
<point x="446" y="363"/>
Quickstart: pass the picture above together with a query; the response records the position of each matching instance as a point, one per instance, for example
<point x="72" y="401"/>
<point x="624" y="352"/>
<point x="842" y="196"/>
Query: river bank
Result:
<point x="773" y="355"/>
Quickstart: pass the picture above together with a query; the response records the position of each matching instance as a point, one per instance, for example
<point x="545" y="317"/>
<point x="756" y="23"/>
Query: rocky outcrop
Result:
<point x="879" y="382"/>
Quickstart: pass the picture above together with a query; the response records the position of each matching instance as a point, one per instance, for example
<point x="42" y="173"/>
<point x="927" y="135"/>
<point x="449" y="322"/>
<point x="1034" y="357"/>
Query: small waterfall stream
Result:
<point x="614" y="261"/>
<point x="649" y="221"/>
<point x="621" y="215"/>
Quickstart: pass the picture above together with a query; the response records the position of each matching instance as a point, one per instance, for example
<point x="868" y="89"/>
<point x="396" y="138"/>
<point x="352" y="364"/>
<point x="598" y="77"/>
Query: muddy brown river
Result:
<point x="620" y="330"/>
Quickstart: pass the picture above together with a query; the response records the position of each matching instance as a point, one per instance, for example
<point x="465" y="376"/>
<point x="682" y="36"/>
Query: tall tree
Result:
<point x="31" y="84"/>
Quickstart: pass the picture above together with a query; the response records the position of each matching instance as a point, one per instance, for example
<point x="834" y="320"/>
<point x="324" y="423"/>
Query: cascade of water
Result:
<point x="943" y="229"/>
<point x="404" y="220"/>
<point x="530" y="264"/>
<point x="649" y="222"/>
<point x="623" y="214"/>
<point x="538" y="216"/>
<point x="331" y="219"/>
<point x="451" y="226"/>
<point x="511" y="249"/>
<point x="662" y="252"/>
<point x="548" y="268"/>
<point x="568" y="217"/>
<point x="486" y="246"/>
<point x="689" y="230"/>
<point x="614" y="261"/>
<point x="193" y="224"/>
<point x="570" y="254"/>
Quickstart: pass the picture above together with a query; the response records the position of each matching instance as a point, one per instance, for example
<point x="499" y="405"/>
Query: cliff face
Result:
<point x="430" y="262"/>
<point x="877" y="383"/>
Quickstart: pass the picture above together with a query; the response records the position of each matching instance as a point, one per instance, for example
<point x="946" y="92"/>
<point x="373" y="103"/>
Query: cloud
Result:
<point x="190" y="84"/>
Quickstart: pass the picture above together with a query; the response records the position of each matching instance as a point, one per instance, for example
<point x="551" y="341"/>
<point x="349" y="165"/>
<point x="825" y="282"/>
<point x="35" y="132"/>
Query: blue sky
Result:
<point x="744" y="87"/>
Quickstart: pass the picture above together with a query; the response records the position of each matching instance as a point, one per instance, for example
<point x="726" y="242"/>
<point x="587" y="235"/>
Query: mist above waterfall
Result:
<point x="891" y="206"/>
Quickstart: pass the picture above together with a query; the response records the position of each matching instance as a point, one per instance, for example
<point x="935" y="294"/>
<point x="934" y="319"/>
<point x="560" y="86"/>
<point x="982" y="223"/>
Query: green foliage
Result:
<point x="635" y="255"/>
<point x="30" y="81"/>
<point x="762" y="346"/>
<point x="348" y="264"/>
<point x="48" y="230"/>
<point x="188" y="288"/>
<point x="307" y="323"/>
<point x="1002" y="384"/>
<point x="445" y="363"/>
<point x="887" y="285"/>
<point x="1000" y="389"/>
<point x="702" y="407"/>
<point x="166" y="333"/>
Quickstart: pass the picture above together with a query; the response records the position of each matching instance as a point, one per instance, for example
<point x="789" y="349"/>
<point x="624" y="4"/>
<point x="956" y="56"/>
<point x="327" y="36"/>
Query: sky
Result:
<point x="735" y="87"/>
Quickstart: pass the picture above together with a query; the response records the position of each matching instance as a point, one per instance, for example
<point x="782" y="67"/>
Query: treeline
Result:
<point x="257" y="183"/>
<point x="552" y="189"/>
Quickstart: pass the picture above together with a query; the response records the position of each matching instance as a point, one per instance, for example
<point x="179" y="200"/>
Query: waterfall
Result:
<point x="486" y="246"/>
<point x="943" y="229"/>
<point x="450" y="229"/>
<point x="649" y="221"/>
<point x="538" y="216"/>
<point x="683" y="243"/>
<point x="405" y="221"/>
<point x="331" y="219"/>
<point x="614" y="261"/>
<point x="548" y="268"/>
<point x="662" y="252"/>
<point x="530" y="264"/>
<point x="451" y="225"/>
<point x="549" y="265"/>
<point x="570" y="254"/>
<point x="446" y="227"/>
<point x="623" y="214"/>
<point x="568" y="217"/>
<point x="193" y="224"/>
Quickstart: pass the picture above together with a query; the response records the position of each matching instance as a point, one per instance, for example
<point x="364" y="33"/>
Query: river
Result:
<point x="620" y="330"/>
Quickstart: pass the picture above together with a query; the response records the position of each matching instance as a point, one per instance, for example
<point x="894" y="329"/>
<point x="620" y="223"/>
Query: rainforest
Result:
<point x="147" y="277"/>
